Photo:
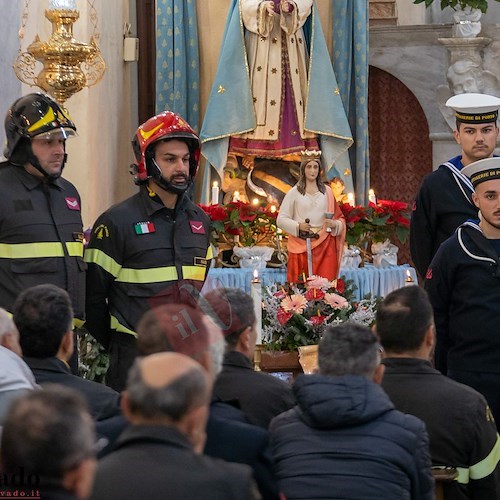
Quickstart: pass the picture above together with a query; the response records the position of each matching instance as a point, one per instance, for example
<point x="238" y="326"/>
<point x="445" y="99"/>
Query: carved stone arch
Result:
<point x="400" y="148"/>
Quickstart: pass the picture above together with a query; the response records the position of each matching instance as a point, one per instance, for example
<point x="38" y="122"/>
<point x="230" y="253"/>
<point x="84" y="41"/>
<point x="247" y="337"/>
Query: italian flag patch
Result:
<point x="144" y="227"/>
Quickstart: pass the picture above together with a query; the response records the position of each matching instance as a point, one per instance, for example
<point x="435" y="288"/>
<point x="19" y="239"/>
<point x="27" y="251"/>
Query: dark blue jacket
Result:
<point x="344" y="440"/>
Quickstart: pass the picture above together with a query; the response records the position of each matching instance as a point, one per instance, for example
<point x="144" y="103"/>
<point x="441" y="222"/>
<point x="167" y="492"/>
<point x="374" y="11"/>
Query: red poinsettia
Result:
<point x="384" y="220"/>
<point x="251" y="222"/>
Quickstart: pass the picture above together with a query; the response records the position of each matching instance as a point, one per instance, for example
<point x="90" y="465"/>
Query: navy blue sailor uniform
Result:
<point x="443" y="202"/>
<point x="41" y="237"/>
<point x="140" y="255"/>
<point x="463" y="282"/>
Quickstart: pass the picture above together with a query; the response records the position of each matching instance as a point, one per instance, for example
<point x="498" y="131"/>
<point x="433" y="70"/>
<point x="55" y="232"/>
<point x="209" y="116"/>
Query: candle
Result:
<point x="273" y="209"/>
<point x="62" y="4"/>
<point x="236" y="196"/>
<point x="350" y="199"/>
<point x="371" y="196"/>
<point x="255" y="201"/>
<point x="409" y="281"/>
<point x="215" y="193"/>
<point x="256" y="294"/>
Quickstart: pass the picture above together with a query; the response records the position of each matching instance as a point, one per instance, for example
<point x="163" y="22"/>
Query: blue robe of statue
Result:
<point x="230" y="109"/>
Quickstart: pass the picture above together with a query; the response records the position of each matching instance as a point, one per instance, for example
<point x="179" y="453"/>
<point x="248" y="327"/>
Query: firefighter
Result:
<point x="41" y="231"/>
<point x="151" y="249"/>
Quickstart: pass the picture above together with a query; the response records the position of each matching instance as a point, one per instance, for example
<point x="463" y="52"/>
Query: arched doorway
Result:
<point x="400" y="148"/>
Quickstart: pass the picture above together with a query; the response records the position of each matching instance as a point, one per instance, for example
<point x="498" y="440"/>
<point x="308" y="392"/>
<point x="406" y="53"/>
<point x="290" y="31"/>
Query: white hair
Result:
<point x="6" y="324"/>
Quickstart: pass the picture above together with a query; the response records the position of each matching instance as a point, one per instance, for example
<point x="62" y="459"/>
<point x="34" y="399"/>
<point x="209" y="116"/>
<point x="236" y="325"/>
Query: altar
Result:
<point x="377" y="281"/>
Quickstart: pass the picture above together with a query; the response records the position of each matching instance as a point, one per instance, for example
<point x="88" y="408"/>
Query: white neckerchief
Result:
<point x="459" y="179"/>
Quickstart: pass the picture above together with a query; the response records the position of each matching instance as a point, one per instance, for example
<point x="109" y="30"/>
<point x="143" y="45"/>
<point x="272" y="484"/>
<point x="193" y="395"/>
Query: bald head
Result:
<point x="162" y="369"/>
<point x="165" y="387"/>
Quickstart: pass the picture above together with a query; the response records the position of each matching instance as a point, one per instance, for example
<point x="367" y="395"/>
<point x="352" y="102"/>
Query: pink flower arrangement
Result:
<point x="296" y="314"/>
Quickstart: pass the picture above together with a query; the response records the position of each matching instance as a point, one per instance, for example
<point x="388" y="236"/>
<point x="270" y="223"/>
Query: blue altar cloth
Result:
<point x="377" y="281"/>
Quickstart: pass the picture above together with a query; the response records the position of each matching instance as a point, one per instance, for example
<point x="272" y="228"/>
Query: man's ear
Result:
<point x="67" y="345"/>
<point x="79" y="480"/>
<point x="125" y="405"/>
<point x="456" y="134"/>
<point x="194" y="426"/>
<point x="379" y="374"/>
<point x="475" y="199"/>
<point x="430" y="336"/>
<point x="245" y="338"/>
<point x="10" y="341"/>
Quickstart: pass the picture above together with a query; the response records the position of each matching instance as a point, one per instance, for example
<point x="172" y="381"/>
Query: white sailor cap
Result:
<point x="483" y="170"/>
<point x="474" y="108"/>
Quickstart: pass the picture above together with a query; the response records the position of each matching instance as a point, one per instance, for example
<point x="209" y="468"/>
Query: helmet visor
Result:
<point x="57" y="133"/>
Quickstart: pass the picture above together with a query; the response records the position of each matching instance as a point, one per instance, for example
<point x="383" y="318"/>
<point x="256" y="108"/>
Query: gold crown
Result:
<point x="310" y="154"/>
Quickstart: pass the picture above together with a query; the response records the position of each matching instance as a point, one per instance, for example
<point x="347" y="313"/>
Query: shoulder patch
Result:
<point x="197" y="227"/>
<point x="72" y="203"/>
<point x="101" y="231"/>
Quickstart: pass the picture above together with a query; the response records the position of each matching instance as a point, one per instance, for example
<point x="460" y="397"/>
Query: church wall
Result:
<point x="414" y="55"/>
<point x="105" y="114"/>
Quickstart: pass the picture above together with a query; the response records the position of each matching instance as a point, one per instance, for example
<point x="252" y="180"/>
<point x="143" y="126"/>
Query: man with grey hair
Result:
<point x="344" y="439"/>
<point x="15" y="376"/>
<point x="159" y="454"/>
<point x="48" y="446"/>
<point x="187" y="330"/>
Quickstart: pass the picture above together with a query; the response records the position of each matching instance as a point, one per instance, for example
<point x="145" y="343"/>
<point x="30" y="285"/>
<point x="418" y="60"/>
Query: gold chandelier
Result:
<point x="68" y="65"/>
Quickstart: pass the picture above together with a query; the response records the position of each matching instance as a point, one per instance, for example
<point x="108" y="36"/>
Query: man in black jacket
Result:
<point x="195" y="335"/>
<point x="153" y="248"/>
<point x="43" y="316"/>
<point x="260" y="396"/>
<point x="462" y="432"/>
<point x="159" y="455"/>
<point x="41" y="232"/>
<point x="48" y="446"/>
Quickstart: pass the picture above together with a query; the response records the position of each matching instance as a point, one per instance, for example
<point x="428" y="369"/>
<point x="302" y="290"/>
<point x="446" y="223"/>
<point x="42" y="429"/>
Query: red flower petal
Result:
<point x="283" y="316"/>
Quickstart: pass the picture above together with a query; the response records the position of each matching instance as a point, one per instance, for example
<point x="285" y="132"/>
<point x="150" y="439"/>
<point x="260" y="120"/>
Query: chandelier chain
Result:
<point x="93" y="19"/>
<point x="24" y="20"/>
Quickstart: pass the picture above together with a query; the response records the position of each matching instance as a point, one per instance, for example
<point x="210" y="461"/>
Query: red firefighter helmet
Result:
<point x="166" y="125"/>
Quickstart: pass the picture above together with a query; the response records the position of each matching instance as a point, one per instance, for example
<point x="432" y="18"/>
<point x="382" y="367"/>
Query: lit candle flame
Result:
<point x="371" y="196"/>
<point x="255" y="201"/>
<point x="215" y="184"/>
<point x="409" y="280"/>
<point x="255" y="274"/>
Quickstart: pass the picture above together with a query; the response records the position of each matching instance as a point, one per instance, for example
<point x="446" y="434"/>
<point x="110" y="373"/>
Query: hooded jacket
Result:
<point x="345" y="440"/>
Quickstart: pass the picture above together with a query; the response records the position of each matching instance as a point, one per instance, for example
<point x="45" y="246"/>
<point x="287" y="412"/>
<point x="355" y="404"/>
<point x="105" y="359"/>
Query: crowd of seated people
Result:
<point x="196" y="420"/>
